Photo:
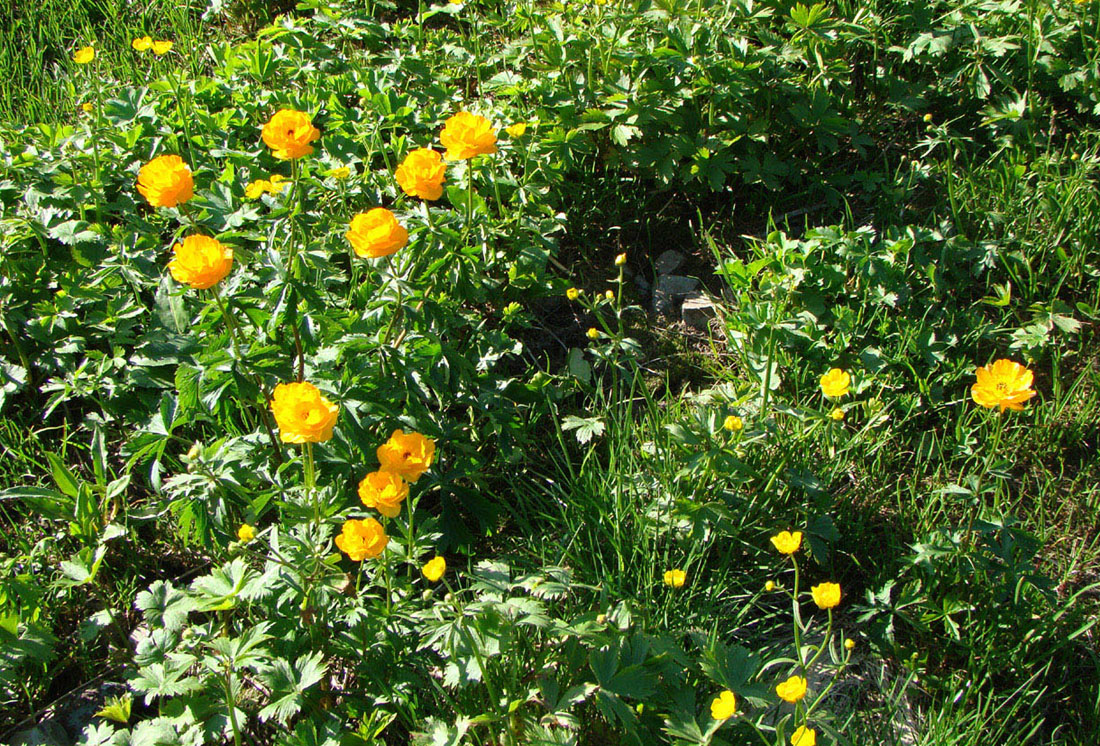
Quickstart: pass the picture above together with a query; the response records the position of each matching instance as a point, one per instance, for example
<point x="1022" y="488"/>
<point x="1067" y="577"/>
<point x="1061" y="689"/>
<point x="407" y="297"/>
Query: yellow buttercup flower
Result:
<point x="302" y="413"/>
<point x="144" y="44"/>
<point x="289" y="133"/>
<point x="1005" y="384"/>
<point x="161" y="47"/>
<point x="362" y="540"/>
<point x="835" y="383"/>
<point x="804" y="736"/>
<point x="849" y="644"/>
<point x="516" y="130"/>
<point x="787" y="542"/>
<point x="376" y="233"/>
<point x="723" y="706"/>
<point x="256" y="188"/>
<point x="826" y="595"/>
<point x="87" y="107"/>
<point x="791" y="690"/>
<point x="246" y="533"/>
<point x="407" y="454"/>
<point x="421" y="174"/>
<point x="675" y="578"/>
<point x="465" y="135"/>
<point x="769" y="585"/>
<point x="434" y="568"/>
<point x="609" y="294"/>
<point x="384" y="491"/>
<point x="165" y="181"/>
<point x="572" y="293"/>
<point x="84" y="55"/>
<point x="733" y="423"/>
<point x="837" y="414"/>
<point x="200" y="262"/>
<point x="342" y="172"/>
<point x="593" y="333"/>
<point x="620" y="260"/>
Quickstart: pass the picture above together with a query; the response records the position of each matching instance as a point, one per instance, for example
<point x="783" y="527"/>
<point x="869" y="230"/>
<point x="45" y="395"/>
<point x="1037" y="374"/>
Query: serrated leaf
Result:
<point x="288" y="683"/>
<point x="162" y="605"/>
<point x="117" y="709"/>
<point x="586" y="427"/>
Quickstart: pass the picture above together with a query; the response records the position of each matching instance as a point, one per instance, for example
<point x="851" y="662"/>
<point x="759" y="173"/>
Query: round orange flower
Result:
<point x="303" y="415"/>
<point x="165" y="181"/>
<point x="384" y="491"/>
<point x="465" y="135"/>
<point x="408" y="455"/>
<point x="421" y="174"/>
<point x="362" y="540"/>
<point x="201" y="262"/>
<point x="376" y="233"/>
<point x="289" y="133"/>
<point x="1003" y="384"/>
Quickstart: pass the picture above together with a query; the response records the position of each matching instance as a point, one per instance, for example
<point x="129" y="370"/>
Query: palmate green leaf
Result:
<point x="220" y="589"/>
<point x="163" y="605"/>
<point x="438" y="733"/>
<point x="103" y="734"/>
<point x="245" y="651"/>
<point x="117" y="709"/>
<point x="167" y="679"/>
<point x="734" y="667"/>
<point x="586" y="427"/>
<point x="288" y="683"/>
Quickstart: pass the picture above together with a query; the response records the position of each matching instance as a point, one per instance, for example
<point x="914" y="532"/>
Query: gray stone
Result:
<point x="669" y="291"/>
<point x="697" y="310"/>
<point x="668" y="262"/>
<point x="46" y="733"/>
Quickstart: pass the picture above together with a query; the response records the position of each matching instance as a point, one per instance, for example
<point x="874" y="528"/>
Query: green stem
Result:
<point x="412" y="538"/>
<point x="98" y="185"/>
<point x="821" y="648"/>
<point x="386" y="577"/>
<point x="231" y="705"/>
<point x="295" y="206"/>
<point x="308" y="467"/>
<point x="797" y="630"/>
<point x="175" y="80"/>
<point x="234" y="334"/>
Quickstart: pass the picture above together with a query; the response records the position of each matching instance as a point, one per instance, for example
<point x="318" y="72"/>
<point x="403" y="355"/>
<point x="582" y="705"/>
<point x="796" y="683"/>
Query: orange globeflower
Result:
<point x="376" y="233"/>
<point x="303" y="415"/>
<point x="421" y="174"/>
<point x="1003" y="384"/>
<point x="362" y="540"/>
<point x="407" y="454"/>
<point x="201" y="262"/>
<point x="465" y="135"/>
<point x="165" y="181"/>
<point x="384" y="491"/>
<point x="289" y="133"/>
